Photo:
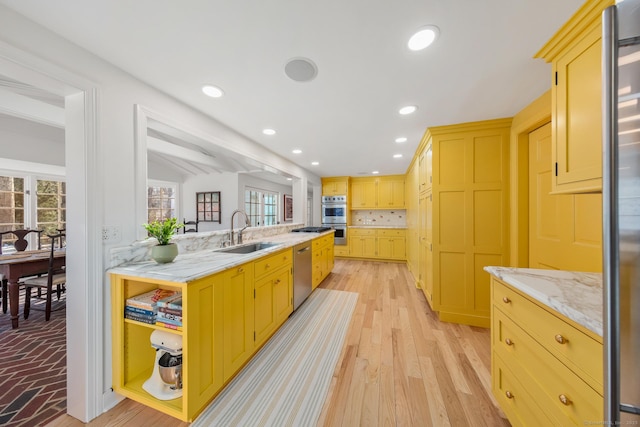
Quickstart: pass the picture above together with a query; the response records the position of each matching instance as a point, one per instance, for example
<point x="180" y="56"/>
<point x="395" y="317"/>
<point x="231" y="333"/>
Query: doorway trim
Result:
<point x="84" y="323"/>
<point x="527" y="120"/>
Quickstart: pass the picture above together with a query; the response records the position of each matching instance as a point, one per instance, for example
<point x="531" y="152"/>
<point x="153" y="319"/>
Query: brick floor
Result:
<point x="33" y="367"/>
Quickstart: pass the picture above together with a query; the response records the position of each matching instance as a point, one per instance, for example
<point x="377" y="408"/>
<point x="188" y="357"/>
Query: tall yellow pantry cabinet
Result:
<point x="462" y="216"/>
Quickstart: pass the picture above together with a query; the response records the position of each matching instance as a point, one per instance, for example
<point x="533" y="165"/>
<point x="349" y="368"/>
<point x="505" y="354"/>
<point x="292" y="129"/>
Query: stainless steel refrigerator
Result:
<point x="621" y="211"/>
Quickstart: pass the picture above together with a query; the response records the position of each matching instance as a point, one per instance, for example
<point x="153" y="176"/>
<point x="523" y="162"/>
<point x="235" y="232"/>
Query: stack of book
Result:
<point x="144" y="307"/>
<point x="170" y="312"/>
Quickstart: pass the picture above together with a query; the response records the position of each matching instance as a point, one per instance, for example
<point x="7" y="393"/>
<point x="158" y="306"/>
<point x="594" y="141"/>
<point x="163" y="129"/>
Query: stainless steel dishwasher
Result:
<point x="302" y="285"/>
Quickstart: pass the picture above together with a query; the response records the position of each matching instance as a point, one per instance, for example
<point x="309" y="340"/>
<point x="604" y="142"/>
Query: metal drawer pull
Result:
<point x="506" y="300"/>
<point x="561" y="339"/>
<point x="565" y="400"/>
<point x="508" y="394"/>
<point x="508" y="341"/>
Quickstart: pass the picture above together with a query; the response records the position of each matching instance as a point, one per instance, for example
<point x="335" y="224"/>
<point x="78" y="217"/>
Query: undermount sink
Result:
<point x="248" y="248"/>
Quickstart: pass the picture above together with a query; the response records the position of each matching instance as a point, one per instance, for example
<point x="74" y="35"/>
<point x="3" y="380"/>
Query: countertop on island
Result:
<point x="192" y="266"/>
<point x="576" y="295"/>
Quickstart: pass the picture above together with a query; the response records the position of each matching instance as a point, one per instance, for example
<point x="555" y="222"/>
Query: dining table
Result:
<point x="22" y="264"/>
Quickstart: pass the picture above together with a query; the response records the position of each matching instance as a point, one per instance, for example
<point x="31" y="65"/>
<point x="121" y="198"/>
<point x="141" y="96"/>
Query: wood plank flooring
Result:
<point x="400" y="366"/>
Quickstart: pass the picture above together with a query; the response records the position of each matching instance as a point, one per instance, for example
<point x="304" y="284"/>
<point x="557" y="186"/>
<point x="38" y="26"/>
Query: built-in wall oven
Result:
<point x="334" y="215"/>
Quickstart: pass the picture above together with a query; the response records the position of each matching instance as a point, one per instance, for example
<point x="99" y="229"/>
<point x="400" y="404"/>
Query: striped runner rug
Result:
<point x="287" y="381"/>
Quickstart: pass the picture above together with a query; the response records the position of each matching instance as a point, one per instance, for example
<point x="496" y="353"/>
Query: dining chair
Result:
<point x="20" y="244"/>
<point x="193" y="229"/>
<point x="55" y="277"/>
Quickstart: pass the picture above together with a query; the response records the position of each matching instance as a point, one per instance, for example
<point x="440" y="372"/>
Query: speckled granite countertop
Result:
<point x="575" y="295"/>
<point x="191" y="266"/>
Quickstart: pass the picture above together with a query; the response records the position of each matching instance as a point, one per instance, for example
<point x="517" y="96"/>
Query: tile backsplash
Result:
<point x="395" y="218"/>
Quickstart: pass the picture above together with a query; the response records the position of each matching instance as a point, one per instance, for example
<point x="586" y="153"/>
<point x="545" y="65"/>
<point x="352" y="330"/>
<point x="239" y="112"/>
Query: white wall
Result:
<point x="226" y="183"/>
<point x="117" y="94"/>
<point x="30" y="142"/>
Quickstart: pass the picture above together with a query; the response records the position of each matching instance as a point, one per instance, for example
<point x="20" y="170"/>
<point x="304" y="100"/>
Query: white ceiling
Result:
<point x="480" y="68"/>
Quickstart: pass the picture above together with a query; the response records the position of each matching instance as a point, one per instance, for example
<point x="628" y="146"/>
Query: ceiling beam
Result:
<point x="27" y="108"/>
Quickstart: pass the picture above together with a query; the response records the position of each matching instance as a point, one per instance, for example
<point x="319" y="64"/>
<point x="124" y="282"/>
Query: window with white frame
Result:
<point x="161" y="200"/>
<point x="261" y="206"/>
<point x="29" y="201"/>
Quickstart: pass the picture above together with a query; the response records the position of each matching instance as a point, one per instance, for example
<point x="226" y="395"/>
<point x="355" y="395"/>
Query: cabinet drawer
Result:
<point x="362" y="232"/>
<point x="392" y="233"/>
<point x="519" y="406"/>
<point x="544" y="376"/>
<point x="573" y="347"/>
<point x="322" y="241"/>
<point x="272" y="262"/>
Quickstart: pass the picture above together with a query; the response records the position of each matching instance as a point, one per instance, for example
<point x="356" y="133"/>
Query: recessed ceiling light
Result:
<point x="268" y="131"/>
<point x="423" y="37"/>
<point x="315" y="163"/>
<point x="289" y="179"/>
<point x="375" y="172"/>
<point x="212" y="91"/>
<point x="407" y="110"/>
<point x="401" y="139"/>
<point x="296" y="151"/>
<point x="397" y="156"/>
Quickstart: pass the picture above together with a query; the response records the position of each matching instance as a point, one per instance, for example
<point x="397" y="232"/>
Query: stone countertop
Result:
<point x="393" y="227"/>
<point x="576" y="295"/>
<point x="192" y="266"/>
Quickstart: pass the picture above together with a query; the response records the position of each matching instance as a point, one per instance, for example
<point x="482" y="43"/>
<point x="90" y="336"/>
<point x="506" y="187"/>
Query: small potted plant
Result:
<point x="163" y="231"/>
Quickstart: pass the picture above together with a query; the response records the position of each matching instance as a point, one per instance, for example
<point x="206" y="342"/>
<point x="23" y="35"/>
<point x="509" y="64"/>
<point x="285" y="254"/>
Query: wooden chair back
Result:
<point x="20" y="244"/>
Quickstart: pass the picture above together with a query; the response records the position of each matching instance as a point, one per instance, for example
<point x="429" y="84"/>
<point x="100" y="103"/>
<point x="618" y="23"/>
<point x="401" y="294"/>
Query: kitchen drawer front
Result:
<point x="573" y="347"/>
<point x="392" y="233"/>
<point x="272" y="262"/>
<point x="362" y="232"/>
<point x="322" y="241"/>
<point x="514" y="400"/>
<point x="544" y="376"/>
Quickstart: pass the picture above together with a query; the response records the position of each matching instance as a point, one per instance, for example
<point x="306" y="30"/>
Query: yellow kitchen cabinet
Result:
<point x="546" y="369"/>
<point x="335" y="186"/>
<point x="575" y="56"/>
<point x="362" y="243"/>
<point x="234" y="297"/>
<point x="221" y="313"/>
<point x="341" y="250"/>
<point x="273" y="301"/>
<point x="385" y="192"/>
<point x="322" y="253"/>
<point x="364" y="193"/>
<point x="464" y="218"/>
<point x="391" y="244"/>
<point x="425" y="168"/>
<point x="373" y="243"/>
<point x="391" y="192"/>
<point x="413" y="219"/>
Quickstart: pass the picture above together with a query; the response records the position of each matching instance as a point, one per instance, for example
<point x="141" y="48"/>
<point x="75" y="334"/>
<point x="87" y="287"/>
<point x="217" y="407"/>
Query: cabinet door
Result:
<point x="205" y="337"/>
<point x="236" y="292"/>
<point x="363" y="194"/>
<point x="355" y="246"/>
<point x="369" y="247"/>
<point x="391" y="193"/>
<point x="283" y="295"/>
<point x="578" y="117"/>
<point x="265" y="316"/>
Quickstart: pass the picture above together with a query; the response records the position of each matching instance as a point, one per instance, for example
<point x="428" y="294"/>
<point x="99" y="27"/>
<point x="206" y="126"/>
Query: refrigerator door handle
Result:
<point x="610" y="237"/>
<point x="629" y="408"/>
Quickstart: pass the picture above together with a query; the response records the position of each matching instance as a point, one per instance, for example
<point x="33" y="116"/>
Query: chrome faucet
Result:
<point x="247" y="224"/>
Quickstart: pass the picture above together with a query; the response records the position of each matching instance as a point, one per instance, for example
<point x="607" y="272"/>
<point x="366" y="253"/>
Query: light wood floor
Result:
<point x="400" y="366"/>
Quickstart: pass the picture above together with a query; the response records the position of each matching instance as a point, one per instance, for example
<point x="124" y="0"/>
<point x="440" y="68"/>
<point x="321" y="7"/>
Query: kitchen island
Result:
<point x="546" y="345"/>
<point x="231" y="305"/>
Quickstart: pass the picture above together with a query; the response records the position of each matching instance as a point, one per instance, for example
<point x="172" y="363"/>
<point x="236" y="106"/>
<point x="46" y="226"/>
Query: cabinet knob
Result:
<point x="508" y="394"/>
<point x="565" y="400"/>
<point x="240" y="270"/>
<point x="561" y="339"/>
<point x="508" y="341"/>
<point x="277" y="281"/>
<point x="506" y="300"/>
<point x="267" y="266"/>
